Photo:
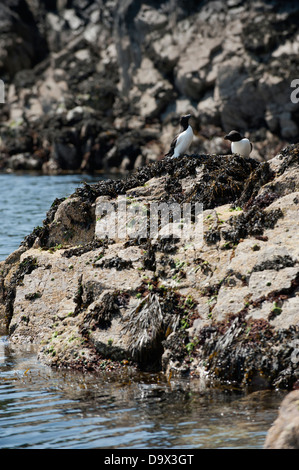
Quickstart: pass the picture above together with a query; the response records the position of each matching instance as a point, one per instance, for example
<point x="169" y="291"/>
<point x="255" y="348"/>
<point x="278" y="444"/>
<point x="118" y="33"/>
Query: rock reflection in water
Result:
<point x="44" y="408"/>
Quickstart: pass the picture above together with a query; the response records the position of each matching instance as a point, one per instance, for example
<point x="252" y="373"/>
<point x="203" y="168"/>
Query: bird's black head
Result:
<point x="233" y="136"/>
<point x="184" y="121"/>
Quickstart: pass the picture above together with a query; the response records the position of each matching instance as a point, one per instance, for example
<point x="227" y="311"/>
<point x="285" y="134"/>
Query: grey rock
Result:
<point x="139" y="67"/>
<point x="284" y="433"/>
<point x="207" y="307"/>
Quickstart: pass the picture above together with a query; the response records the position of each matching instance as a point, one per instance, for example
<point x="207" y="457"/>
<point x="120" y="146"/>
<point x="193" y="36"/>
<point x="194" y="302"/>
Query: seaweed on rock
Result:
<point x="165" y="329"/>
<point x="253" y="222"/>
<point x="218" y="180"/>
<point x="145" y="326"/>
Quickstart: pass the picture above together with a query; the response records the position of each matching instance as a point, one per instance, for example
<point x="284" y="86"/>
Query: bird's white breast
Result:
<point x="183" y="142"/>
<point x="242" y="147"/>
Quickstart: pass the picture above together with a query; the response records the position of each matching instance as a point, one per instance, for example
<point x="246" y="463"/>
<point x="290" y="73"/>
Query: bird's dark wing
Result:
<point x="172" y="147"/>
<point x="251" y="147"/>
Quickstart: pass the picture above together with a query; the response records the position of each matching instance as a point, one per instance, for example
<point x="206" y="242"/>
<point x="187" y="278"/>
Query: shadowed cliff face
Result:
<point x="101" y="85"/>
<point x="221" y="305"/>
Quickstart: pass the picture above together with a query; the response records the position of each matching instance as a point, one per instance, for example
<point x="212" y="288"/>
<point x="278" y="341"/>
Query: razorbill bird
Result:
<point x="182" y="141"/>
<point x="239" y="144"/>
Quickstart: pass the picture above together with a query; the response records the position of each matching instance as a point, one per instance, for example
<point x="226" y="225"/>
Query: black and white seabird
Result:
<point x="239" y="144"/>
<point x="182" y="141"/>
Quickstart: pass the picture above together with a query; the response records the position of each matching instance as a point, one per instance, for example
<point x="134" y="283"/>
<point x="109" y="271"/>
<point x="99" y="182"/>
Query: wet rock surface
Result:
<point x="99" y="86"/>
<point x="284" y="433"/>
<point x="222" y="307"/>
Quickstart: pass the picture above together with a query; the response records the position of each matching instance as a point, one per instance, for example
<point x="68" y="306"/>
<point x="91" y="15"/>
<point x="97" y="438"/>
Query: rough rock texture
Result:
<point x="284" y="433"/>
<point x="99" y="85"/>
<point x="223" y="307"/>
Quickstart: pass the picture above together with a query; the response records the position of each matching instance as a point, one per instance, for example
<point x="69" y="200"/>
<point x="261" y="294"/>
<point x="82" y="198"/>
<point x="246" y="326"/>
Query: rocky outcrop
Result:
<point x="212" y="293"/>
<point x="100" y="85"/>
<point x="284" y="433"/>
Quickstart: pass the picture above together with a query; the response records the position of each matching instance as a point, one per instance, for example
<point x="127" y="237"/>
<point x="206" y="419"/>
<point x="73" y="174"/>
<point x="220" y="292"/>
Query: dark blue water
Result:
<point x="46" y="409"/>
